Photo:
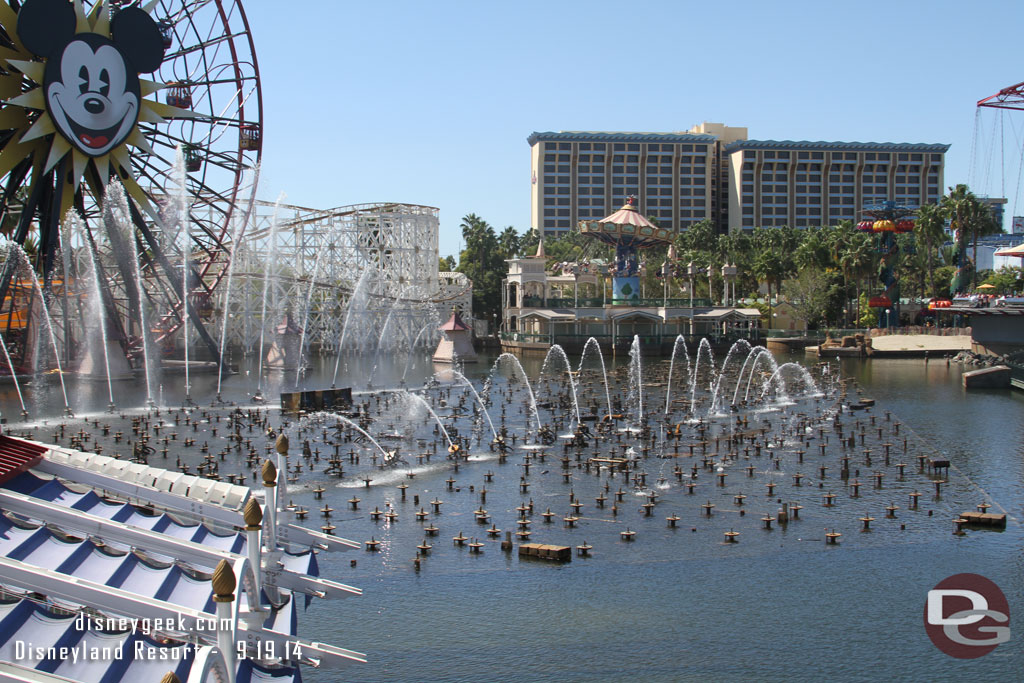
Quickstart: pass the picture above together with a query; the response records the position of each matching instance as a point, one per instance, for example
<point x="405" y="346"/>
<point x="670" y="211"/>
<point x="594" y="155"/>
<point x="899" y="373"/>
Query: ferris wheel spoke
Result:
<point x="211" y="54"/>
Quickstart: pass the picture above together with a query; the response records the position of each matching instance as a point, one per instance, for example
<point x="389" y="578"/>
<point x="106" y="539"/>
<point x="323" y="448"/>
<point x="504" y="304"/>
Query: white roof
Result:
<point x="722" y="313"/>
<point x="550" y="314"/>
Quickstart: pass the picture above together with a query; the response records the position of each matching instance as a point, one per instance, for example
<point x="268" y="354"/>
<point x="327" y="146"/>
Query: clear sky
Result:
<point x="432" y="102"/>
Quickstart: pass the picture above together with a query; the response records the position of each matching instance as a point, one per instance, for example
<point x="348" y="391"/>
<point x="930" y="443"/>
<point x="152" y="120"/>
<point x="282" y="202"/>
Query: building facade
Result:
<point x="714" y="172"/>
<point x="586" y="176"/>
<point x="804" y="184"/>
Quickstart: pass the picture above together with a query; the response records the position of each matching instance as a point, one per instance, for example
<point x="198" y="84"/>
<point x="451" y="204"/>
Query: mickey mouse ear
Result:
<point x="45" y="25"/>
<point x="138" y="37"/>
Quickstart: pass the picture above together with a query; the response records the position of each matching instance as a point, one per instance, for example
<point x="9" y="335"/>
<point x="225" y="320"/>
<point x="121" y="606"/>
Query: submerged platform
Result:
<point x="543" y="551"/>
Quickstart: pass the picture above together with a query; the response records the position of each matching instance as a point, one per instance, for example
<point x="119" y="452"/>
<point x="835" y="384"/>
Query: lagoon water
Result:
<point x="675" y="604"/>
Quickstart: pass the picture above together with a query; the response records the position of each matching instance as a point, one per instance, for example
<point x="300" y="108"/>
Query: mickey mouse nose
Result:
<point x="93" y="105"/>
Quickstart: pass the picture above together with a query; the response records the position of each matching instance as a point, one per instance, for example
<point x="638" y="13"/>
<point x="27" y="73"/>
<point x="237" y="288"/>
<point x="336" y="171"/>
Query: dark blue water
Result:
<point x="675" y="604"/>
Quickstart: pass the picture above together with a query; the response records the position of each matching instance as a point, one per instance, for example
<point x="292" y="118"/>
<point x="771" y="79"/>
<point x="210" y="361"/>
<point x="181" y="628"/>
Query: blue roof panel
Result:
<point x="611" y="136"/>
<point x="851" y="146"/>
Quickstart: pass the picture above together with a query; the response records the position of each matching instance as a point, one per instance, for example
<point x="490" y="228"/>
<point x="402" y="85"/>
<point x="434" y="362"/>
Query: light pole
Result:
<point x="729" y="277"/>
<point x="667" y="271"/>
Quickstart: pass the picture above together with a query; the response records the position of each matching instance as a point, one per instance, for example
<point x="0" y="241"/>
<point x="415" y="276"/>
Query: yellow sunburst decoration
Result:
<point x="73" y="97"/>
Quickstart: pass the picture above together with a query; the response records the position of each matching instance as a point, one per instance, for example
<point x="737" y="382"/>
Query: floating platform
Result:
<point x="610" y="463"/>
<point x="995" y="377"/>
<point x="557" y="553"/>
<point x="292" y="403"/>
<point x="988" y="519"/>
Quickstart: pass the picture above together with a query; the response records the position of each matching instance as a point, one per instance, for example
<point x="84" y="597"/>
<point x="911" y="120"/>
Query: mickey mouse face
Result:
<point x="91" y="82"/>
<point x="92" y="95"/>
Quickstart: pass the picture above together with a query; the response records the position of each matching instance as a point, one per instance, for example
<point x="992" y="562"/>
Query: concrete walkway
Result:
<point x="922" y="342"/>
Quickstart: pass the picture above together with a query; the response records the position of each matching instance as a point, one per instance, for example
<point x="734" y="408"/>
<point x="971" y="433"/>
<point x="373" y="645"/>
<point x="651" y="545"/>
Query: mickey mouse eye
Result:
<point x="105" y="80"/>
<point x="83" y="87"/>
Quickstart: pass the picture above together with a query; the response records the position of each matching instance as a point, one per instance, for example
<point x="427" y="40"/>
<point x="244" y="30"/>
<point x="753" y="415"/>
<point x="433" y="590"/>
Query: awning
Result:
<point x="721" y="314"/>
<point x="634" y="313"/>
<point x="549" y="314"/>
<point x="1017" y="251"/>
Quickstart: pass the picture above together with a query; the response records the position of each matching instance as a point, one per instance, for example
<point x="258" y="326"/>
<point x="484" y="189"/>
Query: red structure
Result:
<point x="457" y="343"/>
<point x="1010" y="97"/>
<point x="17" y="456"/>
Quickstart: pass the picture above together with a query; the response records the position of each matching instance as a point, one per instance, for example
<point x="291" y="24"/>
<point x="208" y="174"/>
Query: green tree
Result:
<point x="968" y="216"/>
<point x="813" y="251"/>
<point x="929" y="229"/>
<point x="481" y="261"/>
<point x="509" y="243"/>
<point x="773" y="262"/>
<point x="1006" y="280"/>
<point x="868" y="317"/>
<point x="859" y="260"/>
<point x="446" y="263"/>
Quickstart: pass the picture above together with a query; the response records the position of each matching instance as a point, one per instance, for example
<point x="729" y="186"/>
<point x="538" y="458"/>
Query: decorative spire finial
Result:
<point x="224" y="582"/>
<point x="269" y="473"/>
<point x="253" y="515"/>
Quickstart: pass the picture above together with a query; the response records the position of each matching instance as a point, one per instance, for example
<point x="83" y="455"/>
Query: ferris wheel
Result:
<point x="94" y="92"/>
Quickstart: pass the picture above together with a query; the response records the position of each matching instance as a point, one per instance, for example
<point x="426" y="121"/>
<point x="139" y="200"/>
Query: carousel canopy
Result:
<point x="627" y="227"/>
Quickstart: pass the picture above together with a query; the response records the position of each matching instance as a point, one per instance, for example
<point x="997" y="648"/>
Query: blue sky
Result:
<point x="432" y="102"/>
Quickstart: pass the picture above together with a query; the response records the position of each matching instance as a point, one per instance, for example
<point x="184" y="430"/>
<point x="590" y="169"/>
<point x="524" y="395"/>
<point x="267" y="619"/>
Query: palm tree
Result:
<point x="858" y="259"/>
<point x="929" y="228"/>
<point x="813" y="251"/>
<point x="509" y="243"/>
<point x="967" y="215"/>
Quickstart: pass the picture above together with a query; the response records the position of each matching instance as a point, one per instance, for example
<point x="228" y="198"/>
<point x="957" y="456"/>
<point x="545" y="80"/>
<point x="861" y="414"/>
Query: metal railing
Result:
<point x="596" y="302"/>
<point x="544" y="338"/>
<point x="645" y="339"/>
